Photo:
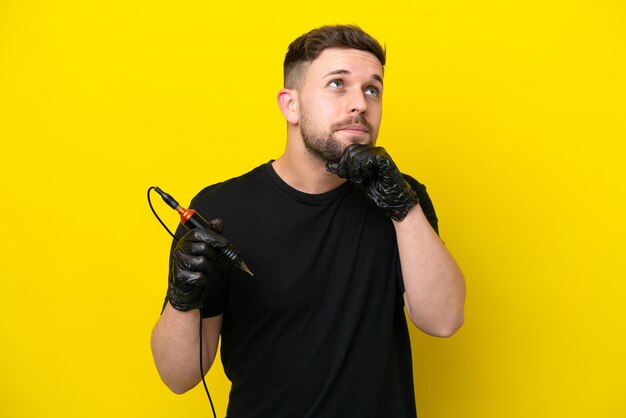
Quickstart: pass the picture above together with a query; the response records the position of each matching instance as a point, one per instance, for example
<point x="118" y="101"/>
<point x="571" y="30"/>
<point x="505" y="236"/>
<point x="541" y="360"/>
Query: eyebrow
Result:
<point x="335" y="72"/>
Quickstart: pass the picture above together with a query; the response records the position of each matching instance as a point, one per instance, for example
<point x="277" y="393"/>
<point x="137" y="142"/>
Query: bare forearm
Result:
<point x="175" y="348"/>
<point x="434" y="284"/>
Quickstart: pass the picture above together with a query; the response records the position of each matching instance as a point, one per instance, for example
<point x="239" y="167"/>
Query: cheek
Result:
<point x="375" y="119"/>
<point x="324" y="116"/>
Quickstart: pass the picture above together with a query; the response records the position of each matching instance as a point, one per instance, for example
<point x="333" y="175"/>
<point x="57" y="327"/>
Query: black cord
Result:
<point x="201" y="369"/>
<point x="157" y="216"/>
<point x="206" y="389"/>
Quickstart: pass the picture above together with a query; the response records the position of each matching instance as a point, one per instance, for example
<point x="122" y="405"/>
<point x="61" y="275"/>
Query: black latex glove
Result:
<point x="373" y="171"/>
<point x="193" y="262"/>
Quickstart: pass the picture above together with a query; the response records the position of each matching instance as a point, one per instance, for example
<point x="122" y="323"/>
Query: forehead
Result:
<point x="354" y="61"/>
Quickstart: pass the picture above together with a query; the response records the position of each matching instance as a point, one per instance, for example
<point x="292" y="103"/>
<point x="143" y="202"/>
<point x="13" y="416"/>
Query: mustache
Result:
<point x="353" y="120"/>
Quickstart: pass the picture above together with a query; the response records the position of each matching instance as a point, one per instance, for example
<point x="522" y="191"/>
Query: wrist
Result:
<point x="399" y="213"/>
<point x="402" y="200"/>
<point x="185" y="299"/>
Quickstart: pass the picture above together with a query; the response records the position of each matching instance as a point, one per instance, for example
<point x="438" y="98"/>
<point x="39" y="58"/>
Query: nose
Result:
<point x="357" y="102"/>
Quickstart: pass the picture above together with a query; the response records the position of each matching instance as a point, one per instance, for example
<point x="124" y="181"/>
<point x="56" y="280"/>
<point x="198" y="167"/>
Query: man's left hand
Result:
<point x="373" y="171"/>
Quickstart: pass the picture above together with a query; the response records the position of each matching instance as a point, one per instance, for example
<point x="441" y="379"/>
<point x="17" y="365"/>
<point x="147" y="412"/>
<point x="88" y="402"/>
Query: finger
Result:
<point x="332" y="166"/>
<point x="194" y="262"/>
<point x="367" y="165"/>
<point x="353" y="149"/>
<point x="384" y="161"/>
<point x="361" y="165"/>
<point x="196" y="248"/>
<point x="206" y="235"/>
<point x="345" y="167"/>
<point x="189" y="278"/>
<point x="218" y="225"/>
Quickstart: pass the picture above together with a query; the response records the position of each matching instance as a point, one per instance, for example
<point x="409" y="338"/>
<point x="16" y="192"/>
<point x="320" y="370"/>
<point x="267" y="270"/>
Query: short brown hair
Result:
<point x="310" y="45"/>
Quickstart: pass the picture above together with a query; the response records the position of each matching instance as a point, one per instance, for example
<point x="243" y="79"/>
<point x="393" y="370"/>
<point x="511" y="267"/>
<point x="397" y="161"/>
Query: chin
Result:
<point x="361" y="141"/>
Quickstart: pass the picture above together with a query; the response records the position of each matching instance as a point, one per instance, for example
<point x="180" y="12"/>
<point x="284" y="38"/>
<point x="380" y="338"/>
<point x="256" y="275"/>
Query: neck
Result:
<point x="304" y="171"/>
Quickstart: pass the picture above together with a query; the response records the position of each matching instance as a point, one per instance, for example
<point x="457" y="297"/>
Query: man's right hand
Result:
<point x="193" y="263"/>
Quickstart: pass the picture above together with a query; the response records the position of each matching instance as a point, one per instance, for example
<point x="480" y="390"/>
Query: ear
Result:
<point x="288" y="104"/>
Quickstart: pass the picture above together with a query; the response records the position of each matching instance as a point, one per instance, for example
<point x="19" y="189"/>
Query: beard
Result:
<point x="325" y="145"/>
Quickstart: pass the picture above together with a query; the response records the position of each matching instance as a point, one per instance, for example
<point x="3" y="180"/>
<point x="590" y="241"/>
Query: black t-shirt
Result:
<point x="319" y="331"/>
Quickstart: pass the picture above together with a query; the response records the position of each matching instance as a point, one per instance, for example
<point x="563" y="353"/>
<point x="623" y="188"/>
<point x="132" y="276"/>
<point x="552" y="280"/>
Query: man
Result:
<point x="339" y="241"/>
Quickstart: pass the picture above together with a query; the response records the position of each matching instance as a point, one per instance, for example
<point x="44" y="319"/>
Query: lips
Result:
<point x="355" y="127"/>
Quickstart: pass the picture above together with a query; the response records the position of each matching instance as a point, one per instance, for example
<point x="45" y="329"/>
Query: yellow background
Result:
<point x="512" y="113"/>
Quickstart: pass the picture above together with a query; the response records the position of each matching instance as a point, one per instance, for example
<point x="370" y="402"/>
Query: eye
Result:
<point x="372" y="91"/>
<point x="336" y="84"/>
